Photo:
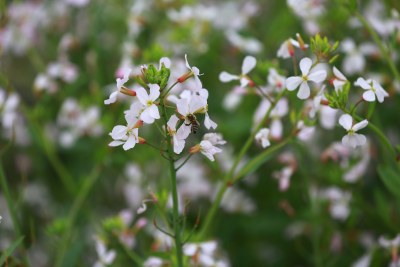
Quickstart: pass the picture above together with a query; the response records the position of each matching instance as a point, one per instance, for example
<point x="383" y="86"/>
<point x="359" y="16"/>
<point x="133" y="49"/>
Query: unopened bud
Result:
<point x="185" y="76"/>
<point x="301" y="42"/>
<point x="127" y="91"/>
<point x="195" y="149"/>
<point x="251" y="83"/>
<point x="290" y="48"/>
<point x="138" y="124"/>
<point x="324" y="102"/>
<point x="142" y="140"/>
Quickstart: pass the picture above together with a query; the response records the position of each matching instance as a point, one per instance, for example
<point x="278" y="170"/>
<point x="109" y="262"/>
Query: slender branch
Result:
<point x="169" y="89"/>
<point x="380" y="44"/>
<point x="184" y="162"/>
<point x="73" y="214"/>
<point x="162" y="230"/>
<point x="227" y="181"/>
<point x="174" y="190"/>
<point x="11" y="208"/>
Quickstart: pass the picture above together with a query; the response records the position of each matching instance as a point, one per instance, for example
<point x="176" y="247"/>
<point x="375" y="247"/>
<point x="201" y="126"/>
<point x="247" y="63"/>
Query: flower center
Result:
<point x="149" y="103"/>
<point x="305" y="78"/>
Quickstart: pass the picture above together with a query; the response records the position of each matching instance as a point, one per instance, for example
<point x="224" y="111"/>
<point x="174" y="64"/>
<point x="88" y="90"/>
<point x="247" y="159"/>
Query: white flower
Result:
<point x="339" y="81"/>
<point x="208" y="149"/>
<point x="308" y="74"/>
<point x="128" y="135"/>
<point x="179" y="136"/>
<point x="120" y="83"/>
<point x="352" y="139"/>
<point x="150" y="111"/>
<point x="196" y="74"/>
<point x="202" y="253"/>
<point x="214" y="138"/>
<point x="262" y="137"/>
<point x="153" y="262"/>
<point x="373" y="88"/>
<point x="249" y="63"/>
<point x="105" y="257"/>
<point x="283" y="176"/>
<point x="286" y="50"/>
<point x="354" y="61"/>
<point x="275" y="80"/>
<point x="387" y="243"/>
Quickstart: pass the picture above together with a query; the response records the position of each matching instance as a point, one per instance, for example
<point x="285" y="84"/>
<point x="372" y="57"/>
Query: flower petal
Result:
<point x="339" y="74"/>
<point x="249" y="63"/>
<point x="154" y="91"/>
<point x="369" y="96"/>
<point x="142" y="95"/>
<point x="293" y="82"/>
<point x="317" y="76"/>
<point x="227" y="77"/>
<point x="305" y="65"/>
<point x="153" y="111"/>
<point x="360" y="125"/>
<point x="304" y="91"/>
<point x="166" y="61"/>
<point x="346" y="121"/>
<point x="130" y="143"/>
<point x="363" y="83"/>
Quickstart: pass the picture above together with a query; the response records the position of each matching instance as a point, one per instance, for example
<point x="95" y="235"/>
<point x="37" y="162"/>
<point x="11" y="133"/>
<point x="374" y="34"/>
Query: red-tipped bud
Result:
<point x="290" y="48"/>
<point x="194" y="149"/>
<point x="324" y="102"/>
<point x="301" y="42"/>
<point x="185" y="76"/>
<point x="251" y="83"/>
<point x="138" y="124"/>
<point x="142" y="140"/>
<point x="127" y="91"/>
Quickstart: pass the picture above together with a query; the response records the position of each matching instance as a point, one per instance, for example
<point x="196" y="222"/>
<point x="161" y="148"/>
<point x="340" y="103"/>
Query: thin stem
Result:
<point x="73" y="214"/>
<point x="227" y="181"/>
<point x="355" y="106"/>
<point x="174" y="191"/>
<point x="184" y="162"/>
<point x="155" y="147"/>
<point x="11" y="208"/>
<point x="169" y="89"/>
<point x="262" y="93"/>
<point x="380" y="44"/>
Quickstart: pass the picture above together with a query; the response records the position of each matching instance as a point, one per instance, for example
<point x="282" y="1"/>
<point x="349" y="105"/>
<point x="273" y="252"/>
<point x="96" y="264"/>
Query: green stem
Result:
<point x="63" y="174"/>
<point x="174" y="191"/>
<point x="11" y="208"/>
<point x="379" y="133"/>
<point x="380" y="44"/>
<point x="184" y="162"/>
<point x="76" y="207"/>
<point x="229" y="179"/>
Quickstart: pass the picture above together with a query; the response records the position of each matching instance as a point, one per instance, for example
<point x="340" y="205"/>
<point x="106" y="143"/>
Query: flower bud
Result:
<point x="195" y="149"/>
<point x="185" y="76"/>
<point x="290" y="48"/>
<point x="142" y="140"/>
<point x="301" y="42"/>
<point x="127" y="91"/>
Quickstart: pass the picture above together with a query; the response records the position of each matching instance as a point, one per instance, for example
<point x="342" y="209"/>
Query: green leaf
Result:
<point x="390" y="178"/>
<point x="10" y="250"/>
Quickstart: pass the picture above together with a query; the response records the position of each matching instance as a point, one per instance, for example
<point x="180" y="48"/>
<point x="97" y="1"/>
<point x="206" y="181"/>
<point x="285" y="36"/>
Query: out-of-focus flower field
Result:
<point x="165" y="133"/>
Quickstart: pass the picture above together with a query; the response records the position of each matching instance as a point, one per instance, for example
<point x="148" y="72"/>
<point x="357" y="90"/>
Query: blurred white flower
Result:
<point x="352" y="139"/>
<point x="120" y="84"/>
<point x="128" y="136"/>
<point x="106" y="258"/>
<point x="373" y="90"/>
<point x="248" y="64"/>
<point x="262" y="137"/>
